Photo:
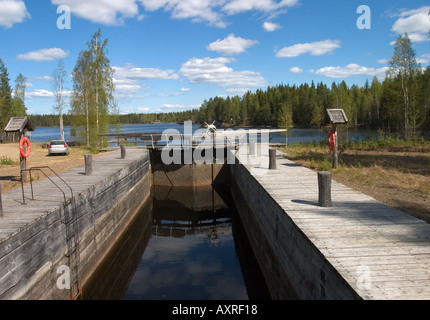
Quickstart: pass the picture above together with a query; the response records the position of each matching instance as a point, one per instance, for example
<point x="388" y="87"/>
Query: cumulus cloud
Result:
<point x="196" y="10"/>
<point x="43" y="78"/>
<point x="44" y="55"/>
<point x="102" y="11"/>
<point x="214" y="11"/>
<point x="128" y="79"/>
<point x="314" y="48"/>
<point x="231" y="45"/>
<point x="239" y="6"/>
<point x="176" y="107"/>
<point x="383" y="61"/>
<point x="271" y="27"/>
<point x="135" y="110"/>
<point x="132" y="72"/>
<point x="40" y="93"/>
<point x="11" y="12"/>
<point x="351" y="70"/>
<point x="296" y="70"/>
<point x="424" y="58"/>
<point x="414" y="22"/>
<point x="215" y="71"/>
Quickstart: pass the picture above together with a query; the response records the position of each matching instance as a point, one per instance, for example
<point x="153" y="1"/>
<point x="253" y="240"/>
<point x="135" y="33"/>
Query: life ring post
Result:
<point x="335" y="159"/>
<point x="23" y="155"/>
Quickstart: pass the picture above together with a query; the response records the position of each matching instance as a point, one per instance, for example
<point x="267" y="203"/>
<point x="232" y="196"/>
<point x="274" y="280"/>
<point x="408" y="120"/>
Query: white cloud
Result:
<point x="214" y="11"/>
<point x="296" y="70"/>
<point x="196" y="10"/>
<point x="238" y="6"/>
<point x="44" y="78"/>
<point x="11" y="12"/>
<point x="351" y="70"/>
<point x="135" y="110"/>
<point x="314" y="48"/>
<point x="270" y="26"/>
<point x="424" y="58"/>
<point x="128" y="79"/>
<point x="414" y="22"/>
<point x="215" y="71"/>
<point x="102" y="11"/>
<point x="44" y="55"/>
<point x="40" y="93"/>
<point x="231" y="45"/>
<point x="176" y="107"/>
<point x="128" y="88"/>
<point x="132" y="72"/>
<point x="383" y="61"/>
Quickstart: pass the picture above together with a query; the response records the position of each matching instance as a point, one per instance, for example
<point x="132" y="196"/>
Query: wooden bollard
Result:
<point x="123" y="151"/>
<point x="324" y="185"/>
<point x="272" y="159"/>
<point x="251" y="147"/>
<point x="88" y="164"/>
<point x="1" y="204"/>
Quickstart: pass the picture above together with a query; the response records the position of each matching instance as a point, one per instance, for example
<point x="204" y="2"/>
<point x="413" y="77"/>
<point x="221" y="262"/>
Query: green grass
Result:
<point x="7" y="161"/>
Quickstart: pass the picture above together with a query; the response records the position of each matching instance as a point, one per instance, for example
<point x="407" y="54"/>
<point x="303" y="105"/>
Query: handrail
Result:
<point x="41" y="170"/>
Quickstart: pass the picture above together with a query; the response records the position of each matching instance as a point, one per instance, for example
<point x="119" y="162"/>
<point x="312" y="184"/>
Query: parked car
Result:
<point x="58" y="147"/>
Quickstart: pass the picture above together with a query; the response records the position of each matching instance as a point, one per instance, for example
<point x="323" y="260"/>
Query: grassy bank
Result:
<point x="391" y="170"/>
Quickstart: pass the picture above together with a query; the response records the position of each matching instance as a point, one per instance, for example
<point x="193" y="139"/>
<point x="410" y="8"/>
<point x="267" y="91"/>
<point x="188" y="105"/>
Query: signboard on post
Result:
<point x="335" y="117"/>
<point x="20" y="125"/>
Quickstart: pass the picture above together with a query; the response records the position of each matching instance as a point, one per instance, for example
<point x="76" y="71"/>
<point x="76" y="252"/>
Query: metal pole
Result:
<point x="1" y="204"/>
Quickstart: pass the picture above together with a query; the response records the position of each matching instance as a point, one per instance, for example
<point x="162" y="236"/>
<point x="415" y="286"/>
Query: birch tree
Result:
<point x="59" y="76"/>
<point x="404" y="66"/>
<point x="92" y="98"/>
<point x="18" y="101"/>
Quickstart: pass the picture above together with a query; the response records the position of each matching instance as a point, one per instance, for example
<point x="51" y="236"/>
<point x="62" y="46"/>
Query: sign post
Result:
<point x="20" y="125"/>
<point x="335" y="117"/>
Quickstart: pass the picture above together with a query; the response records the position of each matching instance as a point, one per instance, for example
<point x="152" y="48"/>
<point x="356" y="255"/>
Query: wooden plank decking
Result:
<point x="47" y="197"/>
<point x="383" y="253"/>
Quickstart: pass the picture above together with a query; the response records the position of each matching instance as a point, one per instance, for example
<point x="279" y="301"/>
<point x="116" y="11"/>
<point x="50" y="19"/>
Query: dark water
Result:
<point x="187" y="244"/>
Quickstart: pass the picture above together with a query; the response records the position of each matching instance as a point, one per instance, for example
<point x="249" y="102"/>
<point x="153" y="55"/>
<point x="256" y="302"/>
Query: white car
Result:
<point x="58" y="147"/>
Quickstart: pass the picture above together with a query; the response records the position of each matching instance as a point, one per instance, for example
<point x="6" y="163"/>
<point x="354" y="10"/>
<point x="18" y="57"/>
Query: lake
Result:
<point x="45" y="134"/>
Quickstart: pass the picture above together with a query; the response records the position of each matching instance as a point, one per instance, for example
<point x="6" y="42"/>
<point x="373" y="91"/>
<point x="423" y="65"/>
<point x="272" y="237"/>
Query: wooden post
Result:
<point x="1" y="204"/>
<point x="88" y="164"/>
<point x="123" y="151"/>
<point x="22" y="163"/>
<point x="272" y="159"/>
<point x="335" y="159"/>
<point x="251" y="147"/>
<point x="324" y="185"/>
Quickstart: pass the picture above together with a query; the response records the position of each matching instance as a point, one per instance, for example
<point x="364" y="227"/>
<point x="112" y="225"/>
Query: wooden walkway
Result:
<point x="47" y="197"/>
<point x="383" y="253"/>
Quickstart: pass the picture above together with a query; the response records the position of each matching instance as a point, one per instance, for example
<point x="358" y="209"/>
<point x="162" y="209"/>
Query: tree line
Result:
<point x="400" y="103"/>
<point x="12" y="102"/>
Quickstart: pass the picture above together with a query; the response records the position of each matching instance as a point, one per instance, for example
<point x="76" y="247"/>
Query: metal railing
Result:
<point x="40" y="169"/>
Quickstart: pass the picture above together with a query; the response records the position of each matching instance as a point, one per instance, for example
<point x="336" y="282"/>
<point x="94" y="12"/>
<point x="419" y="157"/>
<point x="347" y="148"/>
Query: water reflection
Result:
<point x="189" y="252"/>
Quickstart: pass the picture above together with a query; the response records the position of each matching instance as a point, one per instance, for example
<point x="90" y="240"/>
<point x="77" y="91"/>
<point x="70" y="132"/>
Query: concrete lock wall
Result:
<point x="292" y="266"/>
<point x="58" y="244"/>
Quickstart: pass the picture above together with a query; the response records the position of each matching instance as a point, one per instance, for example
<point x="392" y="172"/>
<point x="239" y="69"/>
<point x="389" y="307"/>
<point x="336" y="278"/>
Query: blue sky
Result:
<point x="171" y="55"/>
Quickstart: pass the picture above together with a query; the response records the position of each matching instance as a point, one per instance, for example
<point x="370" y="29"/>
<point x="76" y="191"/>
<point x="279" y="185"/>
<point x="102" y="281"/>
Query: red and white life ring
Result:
<point x="21" y="147"/>
<point x="331" y="140"/>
